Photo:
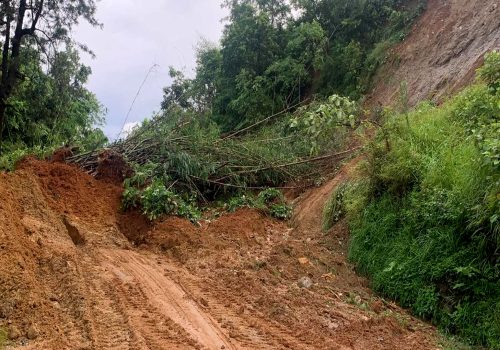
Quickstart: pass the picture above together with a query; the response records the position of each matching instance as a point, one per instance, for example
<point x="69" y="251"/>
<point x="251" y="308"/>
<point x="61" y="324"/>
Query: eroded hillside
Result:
<point x="442" y="52"/>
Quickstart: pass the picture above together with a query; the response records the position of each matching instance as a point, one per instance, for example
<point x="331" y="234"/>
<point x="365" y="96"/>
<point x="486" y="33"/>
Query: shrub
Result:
<point x="157" y="200"/>
<point x="270" y="201"/>
<point x="270" y="195"/>
<point x="15" y="153"/>
<point x="281" y="211"/>
<point x="334" y="209"/>
<point x="322" y="119"/>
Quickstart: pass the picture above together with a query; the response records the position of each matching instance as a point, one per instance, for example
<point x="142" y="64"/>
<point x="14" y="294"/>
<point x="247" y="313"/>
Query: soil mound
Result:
<point x="73" y="192"/>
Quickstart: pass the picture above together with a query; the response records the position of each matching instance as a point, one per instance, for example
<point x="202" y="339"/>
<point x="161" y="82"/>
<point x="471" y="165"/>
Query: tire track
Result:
<point x="166" y="300"/>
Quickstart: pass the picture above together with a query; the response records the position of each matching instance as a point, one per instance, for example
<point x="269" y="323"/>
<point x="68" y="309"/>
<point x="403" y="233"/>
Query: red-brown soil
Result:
<point x="441" y="54"/>
<point x="232" y="283"/>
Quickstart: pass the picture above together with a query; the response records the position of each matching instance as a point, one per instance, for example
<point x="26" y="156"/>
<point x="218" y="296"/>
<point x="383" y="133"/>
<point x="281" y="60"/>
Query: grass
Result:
<point x="3" y="338"/>
<point x="424" y="217"/>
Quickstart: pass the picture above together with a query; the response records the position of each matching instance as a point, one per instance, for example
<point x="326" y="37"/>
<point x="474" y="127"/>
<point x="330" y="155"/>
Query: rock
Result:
<point x="204" y="302"/>
<point x="6" y="311"/>
<point x="304" y="261"/>
<point x="14" y="333"/>
<point x="333" y="325"/>
<point x="305" y="282"/>
<point x="32" y="332"/>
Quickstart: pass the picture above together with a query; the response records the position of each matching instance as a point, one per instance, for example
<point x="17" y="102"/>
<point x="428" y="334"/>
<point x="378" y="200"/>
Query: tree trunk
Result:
<point x="10" y="58"/>
<point x="3" y="108"/>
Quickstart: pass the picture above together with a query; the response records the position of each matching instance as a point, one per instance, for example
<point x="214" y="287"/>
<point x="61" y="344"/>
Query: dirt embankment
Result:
<point x="69" y="278"/>
<point x="440" y="56"/>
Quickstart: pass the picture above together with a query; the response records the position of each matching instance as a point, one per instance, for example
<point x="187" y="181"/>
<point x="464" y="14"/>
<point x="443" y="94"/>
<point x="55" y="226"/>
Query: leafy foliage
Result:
<point x="157" y="200"/>
<point x="275" y="54"/>
<point x="429" y="234"/>
<point x="54" y="108"/>
<point x="334" y="209"/>
<point x="37" y="26"/>
<point x="320" y="120"/>
<point x="270" y="201"/>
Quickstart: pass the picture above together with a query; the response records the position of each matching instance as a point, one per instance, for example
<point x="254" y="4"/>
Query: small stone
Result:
<point x="333" y="325"/>
<point x="304" y="261"/>
<point x="305" y="282"/>
<point x="14" y="333"/>
<point x="204" y="302"/>
<point x="6" y="311"/>
<point x="32" y="333"/>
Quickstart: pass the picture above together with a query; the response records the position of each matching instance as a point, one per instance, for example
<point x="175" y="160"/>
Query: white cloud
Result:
<point x="128" y="128"/>
<point x="136" y="35"/>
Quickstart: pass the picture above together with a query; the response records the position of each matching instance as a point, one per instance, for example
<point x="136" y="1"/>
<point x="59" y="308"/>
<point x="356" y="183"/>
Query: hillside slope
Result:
<point x="442" y="52"/>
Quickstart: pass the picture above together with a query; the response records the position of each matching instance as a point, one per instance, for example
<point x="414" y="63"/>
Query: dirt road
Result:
<point x="71" y="279"/>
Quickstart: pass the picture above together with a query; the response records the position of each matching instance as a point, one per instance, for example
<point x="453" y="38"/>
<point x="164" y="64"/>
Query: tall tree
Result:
<point x="45" y="24"/>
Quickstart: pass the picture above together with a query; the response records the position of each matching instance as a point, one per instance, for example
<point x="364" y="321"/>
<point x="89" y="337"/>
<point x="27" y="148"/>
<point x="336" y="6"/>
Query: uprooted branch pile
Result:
<point x="189" y="154"/>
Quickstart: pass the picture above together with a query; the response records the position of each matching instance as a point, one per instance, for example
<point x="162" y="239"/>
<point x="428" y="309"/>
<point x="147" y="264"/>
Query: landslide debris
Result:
<point x="229" y="283"/>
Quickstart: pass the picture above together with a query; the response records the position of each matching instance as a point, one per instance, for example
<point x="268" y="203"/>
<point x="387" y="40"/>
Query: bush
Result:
<point x="429" y="235"/>
<point x="334" y="209"/>
<point x="270" y="201"/>
<point x="12" y="153"/>
<point x="156" y="200"/>
<point x="281" y="211"/>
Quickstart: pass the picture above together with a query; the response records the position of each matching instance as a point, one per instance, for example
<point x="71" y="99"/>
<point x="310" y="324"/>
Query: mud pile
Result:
<point x="70" y="279"/>
<point x="46" y="211"/>
<point x="441" y="54"/>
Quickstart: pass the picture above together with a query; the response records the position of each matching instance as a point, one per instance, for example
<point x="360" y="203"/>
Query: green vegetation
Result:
<point x="3" y="338"/>
<point x="155" y="200"/>
<point x="275" y="54"/>
<point x="270" y="201"/>
<point x="182" y="161"/>
<point x="425" y="218"/>
<point x="43" y="101"/>
<point x="334" y="209"/>
<point x="51" y="109"/>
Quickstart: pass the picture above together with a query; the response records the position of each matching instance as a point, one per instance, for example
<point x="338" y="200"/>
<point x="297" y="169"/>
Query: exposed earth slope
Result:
<point x="441" y="54"/>
<point x="70" y="279"/>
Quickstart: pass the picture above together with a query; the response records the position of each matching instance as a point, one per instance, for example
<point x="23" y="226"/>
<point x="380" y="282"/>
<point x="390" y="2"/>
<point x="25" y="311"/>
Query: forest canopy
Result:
<point x="275" y="54"/>
<point x="43" y="99"/>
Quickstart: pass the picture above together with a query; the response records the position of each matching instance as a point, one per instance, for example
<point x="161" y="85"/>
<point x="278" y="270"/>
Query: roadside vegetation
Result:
<point x="3" y="338"/>
<point x="182" y="163"/>
<point x="44" y="104"/>
<point x="425" y="215"/>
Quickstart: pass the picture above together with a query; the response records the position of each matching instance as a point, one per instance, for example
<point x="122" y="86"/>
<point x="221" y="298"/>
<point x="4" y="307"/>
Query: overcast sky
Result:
<point x="138" y="34"/>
